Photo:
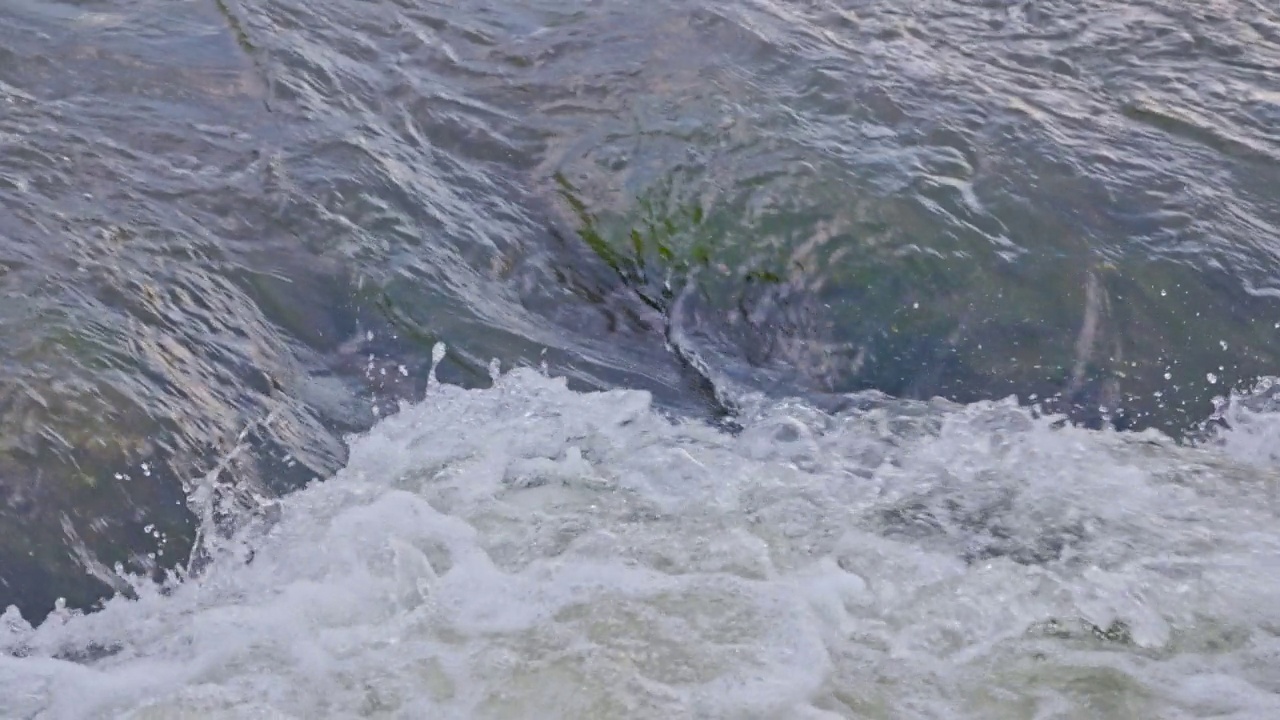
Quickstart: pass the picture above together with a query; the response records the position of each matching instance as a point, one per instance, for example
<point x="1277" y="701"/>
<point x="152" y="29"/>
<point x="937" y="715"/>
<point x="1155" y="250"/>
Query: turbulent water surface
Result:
<point x="917" y="358"/>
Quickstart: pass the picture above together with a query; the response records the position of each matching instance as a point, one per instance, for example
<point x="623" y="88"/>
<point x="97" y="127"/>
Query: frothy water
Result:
<point x="529" y="551"/>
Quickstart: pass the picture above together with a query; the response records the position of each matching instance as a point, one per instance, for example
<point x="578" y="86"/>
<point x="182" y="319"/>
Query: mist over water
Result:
<point x="914" y="358"/>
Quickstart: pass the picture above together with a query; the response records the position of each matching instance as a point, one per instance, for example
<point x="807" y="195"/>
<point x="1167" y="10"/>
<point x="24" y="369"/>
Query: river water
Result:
<point x="804" y="359"/>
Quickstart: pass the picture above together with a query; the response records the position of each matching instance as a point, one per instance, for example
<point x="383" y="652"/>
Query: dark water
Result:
<point x="246" y="222"/>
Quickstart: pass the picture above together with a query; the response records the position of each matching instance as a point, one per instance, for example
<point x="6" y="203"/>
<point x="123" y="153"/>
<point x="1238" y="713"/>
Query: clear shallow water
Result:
<point x="529" y="551"/>
<point x="246" y="224"/>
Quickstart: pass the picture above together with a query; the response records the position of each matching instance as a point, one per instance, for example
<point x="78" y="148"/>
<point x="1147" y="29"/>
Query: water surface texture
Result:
<point x="526" y="551"/>
<point x="233" y="231"/>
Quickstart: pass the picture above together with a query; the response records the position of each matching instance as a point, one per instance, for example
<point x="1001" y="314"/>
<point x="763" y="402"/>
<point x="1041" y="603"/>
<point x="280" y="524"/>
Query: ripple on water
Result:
<point x="213" y="214"/>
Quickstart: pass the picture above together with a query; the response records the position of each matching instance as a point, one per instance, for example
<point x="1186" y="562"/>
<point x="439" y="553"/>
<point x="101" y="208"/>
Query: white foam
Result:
<point x="531" y="552"/>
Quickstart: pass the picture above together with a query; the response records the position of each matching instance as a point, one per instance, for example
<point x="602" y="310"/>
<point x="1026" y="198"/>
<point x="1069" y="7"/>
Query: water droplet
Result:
<point x="437" y="354"/>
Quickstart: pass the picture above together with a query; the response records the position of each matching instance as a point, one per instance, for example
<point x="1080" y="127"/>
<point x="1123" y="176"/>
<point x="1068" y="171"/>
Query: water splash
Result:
<point x="529" y="551"/>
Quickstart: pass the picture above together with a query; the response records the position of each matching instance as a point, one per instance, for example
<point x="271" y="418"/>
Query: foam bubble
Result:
<point x="528" y="551"/>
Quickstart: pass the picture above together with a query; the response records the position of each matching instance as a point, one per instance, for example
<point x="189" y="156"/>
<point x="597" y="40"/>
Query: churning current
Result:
<point x="758" y="359"/>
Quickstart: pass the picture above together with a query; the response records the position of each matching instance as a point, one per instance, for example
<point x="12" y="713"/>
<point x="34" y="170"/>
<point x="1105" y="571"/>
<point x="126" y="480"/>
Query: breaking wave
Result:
<point x="530" y="551"/>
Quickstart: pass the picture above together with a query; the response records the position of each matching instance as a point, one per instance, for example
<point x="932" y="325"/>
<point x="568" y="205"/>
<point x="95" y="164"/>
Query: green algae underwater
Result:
<point x="840" y="300"/>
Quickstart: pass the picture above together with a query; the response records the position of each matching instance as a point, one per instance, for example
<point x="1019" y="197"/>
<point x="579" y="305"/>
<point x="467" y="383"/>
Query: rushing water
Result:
<point x="527" y="551"/>
<point x="232" y="232"/>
